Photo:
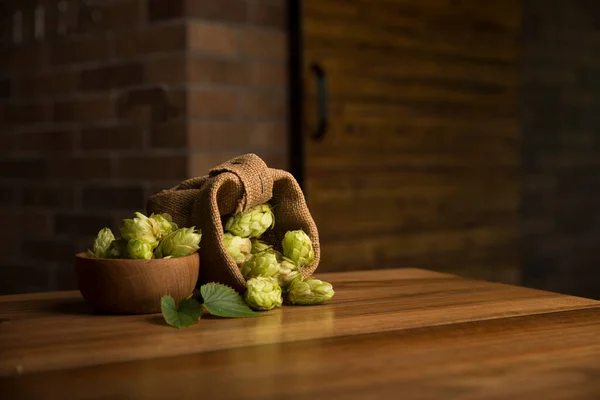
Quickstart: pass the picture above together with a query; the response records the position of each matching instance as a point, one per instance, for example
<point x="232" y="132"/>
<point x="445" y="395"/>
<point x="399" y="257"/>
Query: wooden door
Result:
<point x="419" y="164"/>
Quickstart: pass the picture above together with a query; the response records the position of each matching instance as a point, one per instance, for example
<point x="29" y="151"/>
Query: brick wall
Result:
<point x="104" y="102"/>
<point x="561" y="139"/>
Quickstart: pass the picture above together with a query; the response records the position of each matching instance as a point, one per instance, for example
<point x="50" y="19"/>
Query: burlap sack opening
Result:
<point x="238" y="184"/>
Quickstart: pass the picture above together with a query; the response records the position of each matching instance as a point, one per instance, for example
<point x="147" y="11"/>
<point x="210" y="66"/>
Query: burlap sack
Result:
<point x="206" y="202"/>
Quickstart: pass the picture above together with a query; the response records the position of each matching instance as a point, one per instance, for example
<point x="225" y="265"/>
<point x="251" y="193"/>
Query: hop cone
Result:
<point x="261" y="264"/>
<point x="117" y="249"/>
<point x="101" y="244"/>
<point x="139" y="249"/>
<point x="180" y="243"/>
<point x="258" y="246"/>
<point x="237" y="247"/>
<point x="298" y="248"/>
<point x="165" y="223"/>
<point x="288" y="273"/>
<point x="310" y="291"/>
<point x="251" y="223"/>
<point x="142" y="228"/>
<point x="263" y="293"/>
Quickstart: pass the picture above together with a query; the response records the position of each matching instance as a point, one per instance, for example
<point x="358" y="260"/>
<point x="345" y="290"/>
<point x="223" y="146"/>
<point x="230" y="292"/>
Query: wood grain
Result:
<point x="426" y="334"/>
<point x="423" y="138"/>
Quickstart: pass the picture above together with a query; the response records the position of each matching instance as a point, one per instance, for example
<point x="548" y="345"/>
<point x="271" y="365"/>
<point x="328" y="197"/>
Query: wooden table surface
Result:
<point x="404" y="333"/>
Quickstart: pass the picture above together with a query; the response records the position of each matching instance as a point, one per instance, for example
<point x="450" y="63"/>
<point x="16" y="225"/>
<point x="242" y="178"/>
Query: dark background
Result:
<point x="104" y="102"/>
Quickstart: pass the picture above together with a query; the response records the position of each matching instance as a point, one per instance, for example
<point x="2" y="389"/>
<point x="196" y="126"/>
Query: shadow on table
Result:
<point x="77" y="307"/>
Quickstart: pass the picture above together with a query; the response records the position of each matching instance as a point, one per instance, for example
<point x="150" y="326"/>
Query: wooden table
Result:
<point x="399" y="334"/>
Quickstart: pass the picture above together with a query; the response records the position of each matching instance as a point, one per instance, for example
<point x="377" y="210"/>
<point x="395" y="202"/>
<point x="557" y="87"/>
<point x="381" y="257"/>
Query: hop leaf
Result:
<point x="223" y="301"/>
<point x="251" y="223"/>
<point x="101" y="244"/>
<point x="186" y="313"/>
<point x="138" y="249"/>
<point x="165" y="223"/>
<point x="261" y="264"/>
<point x="181" y="243"/>
<point x="263" y="293"/>
<point x="309" y="292"/>
<point x="142" y="228"/>
<point x="298" y="248"/>
<point x="238" y="247"/>
<point x="258" y="246"/>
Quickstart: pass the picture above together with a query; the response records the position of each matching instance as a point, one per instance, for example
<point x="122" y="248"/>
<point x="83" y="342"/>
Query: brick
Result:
<point x="219" y="72"/>
<point x="212" y="38"/>
<point x="48" y="196"/>
<point x="26" y="222"/>
<point x="166" y="70"/>
<point x="9" y="195"/>
<point x="24" y="114"/>
<point x="81" y="224"/>
<point x="152" y="104"/>
<point x="112" y="138"/>
<point x="84" y="109"/>
<point x="169" y="135"/>
<point x="221" y="10"/>
<point x="212" y="103"/>
<point x="76" y="51"/>
<point x="112" y="76"/>
<point x="8" y="142"/>
<point x="22" y="168"/>
<point x="263" y="44"/>
<point x="263" y="104"/>
<point x="270" y="14"/>
<point x="26" y="57"/>
<point x="49" y="84"/>
<point x="60" y="140"/>
<point x="6" y="88"/>
<point x="113" y="198"/>
<point x="270" y="74"/>
<point x="236" y="135"/>
<point x="160" y="10"/>
<point x="53" y="250"/>
<point x="153" y="167"/>
<point x="115" y="15"/>
<point x="155" y="39"/>
<point x="24" y="278"/>
<point x="84" y="168"/>
<point x="66" y="278"/>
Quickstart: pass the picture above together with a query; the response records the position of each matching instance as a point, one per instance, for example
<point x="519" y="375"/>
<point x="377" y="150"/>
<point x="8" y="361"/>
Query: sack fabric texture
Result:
<point x="234" y="186"/>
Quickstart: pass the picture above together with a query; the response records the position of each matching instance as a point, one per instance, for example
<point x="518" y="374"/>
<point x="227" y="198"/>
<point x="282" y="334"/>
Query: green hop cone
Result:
<point x="258" y="246"/>
<point x="139" y="249"/>
<point x="180" y="243"/>
<point x="165" y="223"/>
<point x="288" y="273"/>
<point x="263" y="293"/>
<point x="311" y="291"/>
<point x="298" y="248"/>
<point x="142" y="228"/>
<point x="261" y="264"/>
<point x="251" y="223"/>
<point x="101" y="244"/>
<point x="117" y="249"/>
<point x="238" y="247"/>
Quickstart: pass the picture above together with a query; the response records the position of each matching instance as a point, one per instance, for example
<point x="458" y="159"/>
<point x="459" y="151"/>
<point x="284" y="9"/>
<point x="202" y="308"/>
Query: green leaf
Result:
<point x="223" y="301"/>
<point x="186" y="313"/>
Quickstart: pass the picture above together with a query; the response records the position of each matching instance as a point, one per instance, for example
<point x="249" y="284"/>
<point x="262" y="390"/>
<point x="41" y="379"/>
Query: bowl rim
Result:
<point x="83" y="256"/>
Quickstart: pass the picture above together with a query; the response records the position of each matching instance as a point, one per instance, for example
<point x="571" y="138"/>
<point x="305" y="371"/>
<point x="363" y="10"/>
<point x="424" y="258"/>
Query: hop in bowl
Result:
<point x="126" y="286"/>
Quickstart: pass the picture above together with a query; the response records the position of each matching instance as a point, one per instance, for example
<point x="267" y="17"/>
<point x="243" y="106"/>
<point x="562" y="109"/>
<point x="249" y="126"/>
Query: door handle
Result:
<point x="322" y="119"/>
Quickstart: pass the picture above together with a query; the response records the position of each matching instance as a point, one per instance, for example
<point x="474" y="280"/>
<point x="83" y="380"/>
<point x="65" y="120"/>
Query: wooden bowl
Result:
<point x="135" y="286"/>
